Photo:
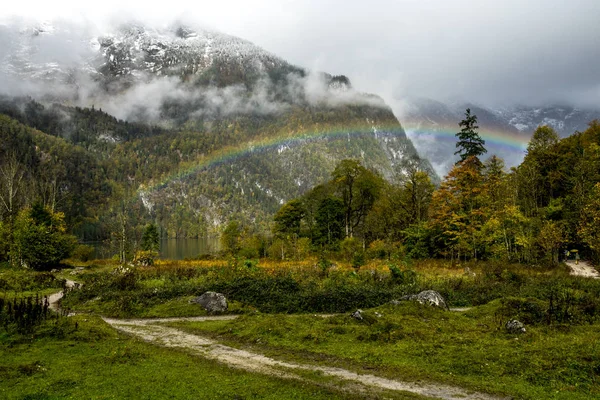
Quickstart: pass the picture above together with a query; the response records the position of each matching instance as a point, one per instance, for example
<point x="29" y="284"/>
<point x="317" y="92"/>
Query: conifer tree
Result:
<point x="150" y="238"/>
<point x="469" y="144"/>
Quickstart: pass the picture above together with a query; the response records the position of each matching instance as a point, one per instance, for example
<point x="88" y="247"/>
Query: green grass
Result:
<point x="95" y="362"/>
<point x="18" y="283"/>
<point x="556" y="359"/>
<point x="410" y="341"/>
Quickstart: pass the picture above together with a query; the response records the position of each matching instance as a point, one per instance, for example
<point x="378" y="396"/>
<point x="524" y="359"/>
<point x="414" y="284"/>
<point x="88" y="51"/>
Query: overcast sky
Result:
<point x="489" y="52"/>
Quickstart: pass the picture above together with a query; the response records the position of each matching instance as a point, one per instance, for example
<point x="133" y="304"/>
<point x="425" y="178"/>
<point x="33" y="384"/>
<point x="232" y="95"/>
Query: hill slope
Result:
<point x="208" y="127"/>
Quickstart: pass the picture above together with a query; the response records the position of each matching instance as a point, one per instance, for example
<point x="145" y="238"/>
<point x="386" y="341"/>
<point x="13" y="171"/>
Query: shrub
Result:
<point x="40" y="238"/>
<point x="24" y="314"/>
<point x="145" y="258"/>
<point x="124" y="278"/>
<point x="83" y="252"/>
<point x="350" y="247"/>
<point x="378" y="249"/>
<point x="407" y="277"/>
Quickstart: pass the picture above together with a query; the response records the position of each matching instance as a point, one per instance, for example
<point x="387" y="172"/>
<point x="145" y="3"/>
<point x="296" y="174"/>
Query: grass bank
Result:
<point x="414" y="342"/>
<point x="90" y="360"/>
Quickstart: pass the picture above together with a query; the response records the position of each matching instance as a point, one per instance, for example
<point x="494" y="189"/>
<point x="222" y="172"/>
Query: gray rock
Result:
<point x="427" y="297"/>
<point x="515" y="326"/>
<point x="357" y="315"/>
<point x="211" y="301"/>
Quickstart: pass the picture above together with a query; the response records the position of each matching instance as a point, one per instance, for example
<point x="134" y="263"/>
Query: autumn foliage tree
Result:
<point x="456" y="210"/>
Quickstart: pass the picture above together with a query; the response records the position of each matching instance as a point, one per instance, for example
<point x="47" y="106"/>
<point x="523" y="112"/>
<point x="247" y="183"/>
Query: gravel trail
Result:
<point x="150" y="331"/>
<point x="583" y="269"/>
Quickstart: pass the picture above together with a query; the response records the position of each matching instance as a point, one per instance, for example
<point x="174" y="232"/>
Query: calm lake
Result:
<point x="172" y="249"/>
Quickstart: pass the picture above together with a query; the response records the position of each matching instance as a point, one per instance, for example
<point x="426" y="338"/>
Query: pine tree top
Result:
<point x="469" y="142"/>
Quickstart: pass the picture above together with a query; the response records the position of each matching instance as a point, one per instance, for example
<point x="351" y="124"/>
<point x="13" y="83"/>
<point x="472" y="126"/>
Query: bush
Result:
<point x="83" y="252"/>
<point x="350" y="247"/>
<point x="407" y="277"/>
<point x="145" y="258"/>
<point x="24" y="315"/>
<point x="529" y="311"/>
<point x="378" y="249"/>
<point x="124" y="278"/>
<point x="40" y="238"/>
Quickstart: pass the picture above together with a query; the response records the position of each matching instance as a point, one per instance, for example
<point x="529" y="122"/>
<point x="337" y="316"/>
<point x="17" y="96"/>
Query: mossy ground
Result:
<point x="415" y="342"/>
<point x="556" y="358"/>
<point x="93" y="361"/>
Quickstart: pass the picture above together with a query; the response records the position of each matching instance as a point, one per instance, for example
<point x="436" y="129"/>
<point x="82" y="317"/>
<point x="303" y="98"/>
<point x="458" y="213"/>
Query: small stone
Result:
<point x="357" y="315"/>
<point x="427" y="297"/>
<point x="515" y="326"/>
<point x="211" y="301"/>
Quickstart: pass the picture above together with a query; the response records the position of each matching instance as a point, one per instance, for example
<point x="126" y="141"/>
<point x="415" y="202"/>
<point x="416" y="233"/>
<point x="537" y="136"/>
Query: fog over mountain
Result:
<point x="495" y="54"/>
<point x="214" y="125"/>
<point x="479" y="51"/>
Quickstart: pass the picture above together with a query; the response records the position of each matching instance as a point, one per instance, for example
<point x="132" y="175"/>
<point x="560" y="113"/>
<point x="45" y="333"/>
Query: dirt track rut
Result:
<point x="583" y="269"/>
<point x="151" y="331"/>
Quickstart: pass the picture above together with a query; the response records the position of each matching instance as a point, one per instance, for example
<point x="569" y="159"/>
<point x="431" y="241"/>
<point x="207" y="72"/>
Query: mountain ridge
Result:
<point x="203" y="107"/>
<point x="515" y="124"/>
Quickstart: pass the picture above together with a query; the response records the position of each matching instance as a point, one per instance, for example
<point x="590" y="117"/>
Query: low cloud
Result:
<point x="62" y="62"/>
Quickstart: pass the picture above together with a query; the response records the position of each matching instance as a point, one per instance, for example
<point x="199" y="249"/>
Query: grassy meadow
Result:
<point x="300" y="311"/>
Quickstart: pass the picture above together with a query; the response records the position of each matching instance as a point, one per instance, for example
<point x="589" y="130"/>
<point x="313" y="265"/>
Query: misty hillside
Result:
<point x="188" y="128"/>
<point x="517" y="124"/>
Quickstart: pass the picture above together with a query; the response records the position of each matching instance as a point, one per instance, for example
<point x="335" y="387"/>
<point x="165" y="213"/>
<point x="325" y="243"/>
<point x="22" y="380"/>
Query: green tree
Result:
<point x="329" y="222"/>
<point x="40" y="238"/>
<point x="543" y="138"/>
<point x="287" y="223"/>
<point x="550" y="239"/>
<point x="417" y="190"/>
<point x="150" y="238"/>
<point x="358" y="188"/>
<point x="589" y="224"/>
<point x="288" y="218"/>
<point x="231" y="238"/>
<point x="469" y="144"/>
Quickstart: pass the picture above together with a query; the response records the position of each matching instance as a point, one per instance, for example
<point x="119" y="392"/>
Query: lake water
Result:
<point x="178" y="249"/>
<point x="171" y="249"/>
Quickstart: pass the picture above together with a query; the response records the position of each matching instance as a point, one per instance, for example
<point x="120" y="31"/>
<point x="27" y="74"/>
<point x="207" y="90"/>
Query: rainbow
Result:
<point x="494" y="139"/>
<point x="289" y="139"/>
<point x="507" y="141"/>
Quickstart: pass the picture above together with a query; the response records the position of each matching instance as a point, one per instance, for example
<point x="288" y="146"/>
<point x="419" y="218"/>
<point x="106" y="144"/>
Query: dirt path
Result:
<point x="583" y="269"/>
<point x="150" y="331"/>
<point x="54" y="298"/>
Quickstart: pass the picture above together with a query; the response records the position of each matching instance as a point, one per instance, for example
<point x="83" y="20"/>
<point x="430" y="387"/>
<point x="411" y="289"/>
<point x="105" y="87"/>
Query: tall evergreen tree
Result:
<point x="469" y="144"/>
<point x="150" y="238"/>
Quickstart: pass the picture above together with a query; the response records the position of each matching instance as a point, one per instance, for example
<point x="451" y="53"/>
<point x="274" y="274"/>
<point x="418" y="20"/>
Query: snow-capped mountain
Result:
<point x="565" y="120"/>
<point x="280" y="128"/>
<point x="69" y="53"/>
<point x="431" y="125"/>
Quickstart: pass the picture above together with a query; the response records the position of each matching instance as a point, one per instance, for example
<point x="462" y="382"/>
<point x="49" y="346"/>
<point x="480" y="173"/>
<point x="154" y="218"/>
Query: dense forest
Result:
<point x="110" y="178"/>
<point x="99" y="178"/>
<point x="533" y="213"/>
